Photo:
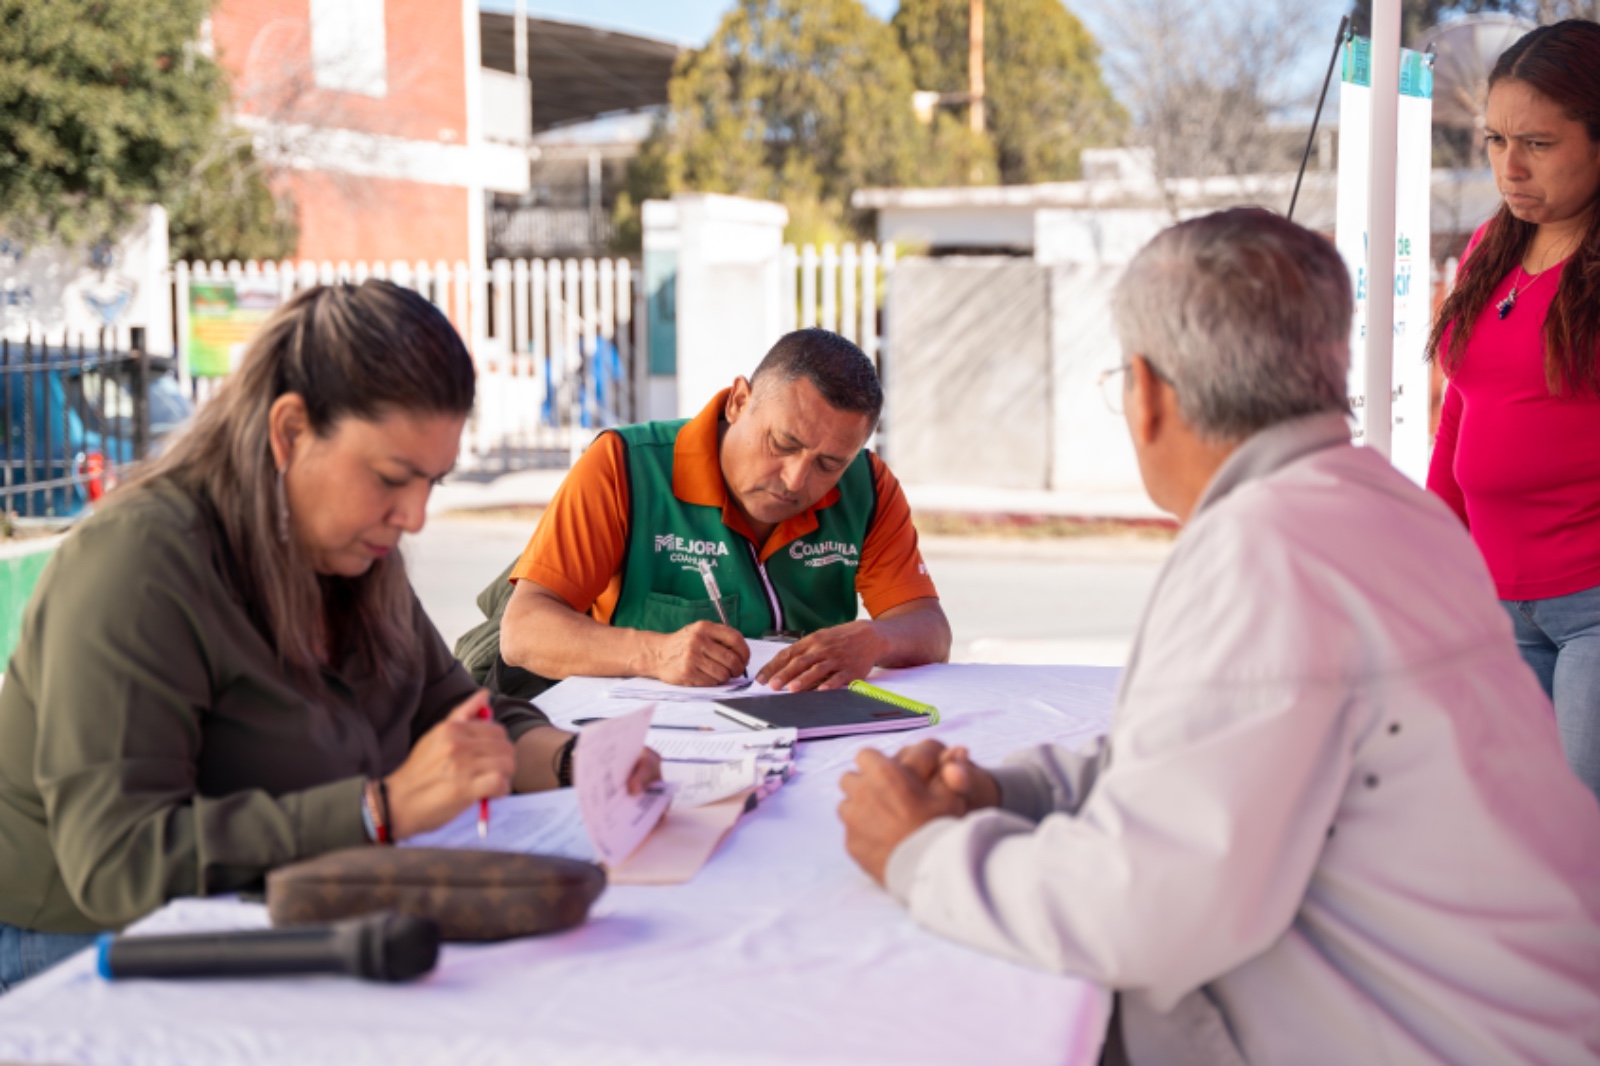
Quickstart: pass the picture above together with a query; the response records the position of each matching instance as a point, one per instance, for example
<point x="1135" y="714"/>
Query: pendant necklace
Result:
<point x="1506" y="306"/>
<point x="1509" y="304"/>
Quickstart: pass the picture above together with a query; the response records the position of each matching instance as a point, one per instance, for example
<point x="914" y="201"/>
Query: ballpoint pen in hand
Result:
<point x="716" y="598"/>
<point x="483" y="804"/>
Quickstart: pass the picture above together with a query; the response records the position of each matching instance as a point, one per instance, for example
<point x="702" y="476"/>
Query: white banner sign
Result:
<point x="1413" y="288"/>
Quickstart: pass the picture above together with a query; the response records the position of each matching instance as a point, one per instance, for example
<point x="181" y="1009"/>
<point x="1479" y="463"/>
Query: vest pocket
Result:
<point x="662" y="612"/>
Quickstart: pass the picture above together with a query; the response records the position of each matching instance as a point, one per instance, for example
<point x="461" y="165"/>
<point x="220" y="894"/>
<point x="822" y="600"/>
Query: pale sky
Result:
<point x="690" y="22"/>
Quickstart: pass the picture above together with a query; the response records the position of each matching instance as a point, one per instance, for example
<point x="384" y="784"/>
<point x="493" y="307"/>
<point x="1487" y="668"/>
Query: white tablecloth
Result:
<point x="779" y="951"/>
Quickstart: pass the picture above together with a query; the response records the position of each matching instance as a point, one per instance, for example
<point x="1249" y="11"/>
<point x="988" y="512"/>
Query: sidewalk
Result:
<point x="534" y="488"/>
<point x="1023" y="506"/>
<point x="527" y="488"/>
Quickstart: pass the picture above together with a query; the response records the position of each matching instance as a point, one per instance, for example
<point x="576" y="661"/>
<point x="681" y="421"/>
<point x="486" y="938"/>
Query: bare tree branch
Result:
<point x="1204" y="84"/>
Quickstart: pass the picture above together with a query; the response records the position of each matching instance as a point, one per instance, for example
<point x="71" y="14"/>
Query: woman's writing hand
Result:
<point x="463" y="759"/>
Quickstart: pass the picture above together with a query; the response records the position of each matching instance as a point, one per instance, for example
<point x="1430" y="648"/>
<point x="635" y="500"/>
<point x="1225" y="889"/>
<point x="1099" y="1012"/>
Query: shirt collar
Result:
<point x="697" y="457"/>
<point x="1271" y="450"/>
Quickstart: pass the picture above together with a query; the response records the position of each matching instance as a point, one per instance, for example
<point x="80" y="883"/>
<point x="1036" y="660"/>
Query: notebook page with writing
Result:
<point x="646" y="688"/>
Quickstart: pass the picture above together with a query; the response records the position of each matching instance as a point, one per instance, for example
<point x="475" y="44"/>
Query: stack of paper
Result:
<point x="710" y="779"/>
<point x="537" y="823"/>
<point x="599" y="820"/>
<point x="708" y="767"/>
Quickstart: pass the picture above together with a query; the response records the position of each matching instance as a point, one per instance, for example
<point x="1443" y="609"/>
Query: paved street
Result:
<point x="1072" y="600"/>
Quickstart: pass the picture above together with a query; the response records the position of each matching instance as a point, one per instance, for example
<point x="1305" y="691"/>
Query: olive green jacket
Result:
<point x="151" y="745"/>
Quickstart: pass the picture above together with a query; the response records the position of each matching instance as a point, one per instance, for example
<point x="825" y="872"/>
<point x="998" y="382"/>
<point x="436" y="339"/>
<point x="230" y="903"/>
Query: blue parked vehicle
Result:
<point x="73" y="419"/>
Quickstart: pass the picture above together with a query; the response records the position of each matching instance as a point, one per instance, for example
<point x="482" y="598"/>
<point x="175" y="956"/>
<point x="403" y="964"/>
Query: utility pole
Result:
<point x="519" y="34"/>
<point x="975" y="65"/>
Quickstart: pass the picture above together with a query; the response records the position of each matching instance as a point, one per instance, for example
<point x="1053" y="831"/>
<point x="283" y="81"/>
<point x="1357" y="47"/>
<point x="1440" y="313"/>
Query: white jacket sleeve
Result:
<point x="1195" y="844"/>
<point x="1043" y="780"/>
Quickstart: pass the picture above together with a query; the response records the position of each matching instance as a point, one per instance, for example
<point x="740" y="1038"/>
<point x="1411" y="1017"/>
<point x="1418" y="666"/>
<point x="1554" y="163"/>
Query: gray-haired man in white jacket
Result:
<point x="1332" y="822"/>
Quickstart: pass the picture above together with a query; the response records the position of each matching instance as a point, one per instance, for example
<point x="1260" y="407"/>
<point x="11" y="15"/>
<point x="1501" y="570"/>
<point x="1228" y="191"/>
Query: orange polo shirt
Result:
<point x="577" y="549"/>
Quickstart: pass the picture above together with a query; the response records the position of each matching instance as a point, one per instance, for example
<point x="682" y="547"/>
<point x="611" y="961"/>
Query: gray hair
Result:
<point x="1246" y="314"/>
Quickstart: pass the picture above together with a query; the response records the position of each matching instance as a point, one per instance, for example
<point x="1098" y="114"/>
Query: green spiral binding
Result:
<point x="902" y="702"/>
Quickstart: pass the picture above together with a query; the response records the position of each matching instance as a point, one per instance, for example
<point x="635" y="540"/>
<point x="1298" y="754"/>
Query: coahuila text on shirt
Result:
<point x="828" y="551"/>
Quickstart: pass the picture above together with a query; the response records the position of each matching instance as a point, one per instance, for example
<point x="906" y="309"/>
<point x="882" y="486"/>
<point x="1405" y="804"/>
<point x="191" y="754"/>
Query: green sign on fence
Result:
<point x="223" y="317"/>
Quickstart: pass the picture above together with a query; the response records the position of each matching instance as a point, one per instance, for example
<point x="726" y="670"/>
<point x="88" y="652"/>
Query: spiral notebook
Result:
<point x="860" y="708"/>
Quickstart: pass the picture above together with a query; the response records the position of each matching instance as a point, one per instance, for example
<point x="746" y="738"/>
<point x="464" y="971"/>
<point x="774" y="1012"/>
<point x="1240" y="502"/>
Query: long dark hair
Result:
<point x="358" y="351"/>
<point x="1562" y="63"/>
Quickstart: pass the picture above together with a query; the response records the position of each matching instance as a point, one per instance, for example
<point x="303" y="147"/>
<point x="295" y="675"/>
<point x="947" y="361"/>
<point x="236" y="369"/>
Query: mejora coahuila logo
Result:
<point x="825" y="552"/>
<point x="689" y="551"/>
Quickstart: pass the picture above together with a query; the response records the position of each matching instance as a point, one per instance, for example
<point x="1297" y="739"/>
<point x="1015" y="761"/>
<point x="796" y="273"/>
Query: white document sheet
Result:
<point x="645" y="688"/>
<point x="535" y="823"/>
<point x="698" y="783"/>
<point x="676" y="746"/>
<point x="605" y="756"/>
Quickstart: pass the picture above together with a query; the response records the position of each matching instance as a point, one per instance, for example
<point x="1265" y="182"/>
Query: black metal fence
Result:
<point x="73" y="416"/>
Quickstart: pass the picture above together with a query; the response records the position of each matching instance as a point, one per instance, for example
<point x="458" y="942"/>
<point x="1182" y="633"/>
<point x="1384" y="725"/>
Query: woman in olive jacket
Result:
<point x="225" y="669"/>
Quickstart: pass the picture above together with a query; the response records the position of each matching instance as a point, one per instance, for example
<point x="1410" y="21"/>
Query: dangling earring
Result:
<point x="283" y="510"/>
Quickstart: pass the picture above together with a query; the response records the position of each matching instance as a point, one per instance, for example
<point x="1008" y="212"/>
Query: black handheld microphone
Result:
<point x="379" y="947"/>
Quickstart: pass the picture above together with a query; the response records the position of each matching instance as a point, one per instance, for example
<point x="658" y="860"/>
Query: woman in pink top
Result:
<point x="1518" y="452"/>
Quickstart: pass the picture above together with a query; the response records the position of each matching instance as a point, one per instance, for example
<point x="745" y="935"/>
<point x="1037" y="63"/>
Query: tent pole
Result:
<point x="1383" y="163"/>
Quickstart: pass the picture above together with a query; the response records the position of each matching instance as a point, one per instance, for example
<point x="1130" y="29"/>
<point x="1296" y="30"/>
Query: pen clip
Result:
<point x="709" y="578"/>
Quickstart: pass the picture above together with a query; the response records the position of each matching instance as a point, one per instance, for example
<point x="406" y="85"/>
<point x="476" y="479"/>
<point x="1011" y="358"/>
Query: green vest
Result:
<point x="807" y="585"/>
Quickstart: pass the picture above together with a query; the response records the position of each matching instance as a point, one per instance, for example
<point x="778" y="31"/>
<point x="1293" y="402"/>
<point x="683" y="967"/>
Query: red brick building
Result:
<point x="374" y="113"/>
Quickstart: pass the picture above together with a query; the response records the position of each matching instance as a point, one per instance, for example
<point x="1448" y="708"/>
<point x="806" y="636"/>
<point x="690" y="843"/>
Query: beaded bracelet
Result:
<point x="563" y="763"/>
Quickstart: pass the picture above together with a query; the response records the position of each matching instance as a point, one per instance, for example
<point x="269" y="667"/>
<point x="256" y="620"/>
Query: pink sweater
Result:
<point x="1519" y="466"/>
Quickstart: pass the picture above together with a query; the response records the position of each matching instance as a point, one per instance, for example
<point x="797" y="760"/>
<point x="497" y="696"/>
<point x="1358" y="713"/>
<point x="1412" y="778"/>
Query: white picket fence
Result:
<point x="557" y="341"/>
<point x="838" y="288"/>
<point x="554" y="342"/>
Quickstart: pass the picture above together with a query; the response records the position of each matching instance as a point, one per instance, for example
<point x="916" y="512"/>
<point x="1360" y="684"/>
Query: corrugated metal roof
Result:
<point x="580" y="72"/>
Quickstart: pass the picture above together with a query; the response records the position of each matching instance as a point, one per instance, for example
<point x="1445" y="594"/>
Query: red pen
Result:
<point x="483" y="804"/>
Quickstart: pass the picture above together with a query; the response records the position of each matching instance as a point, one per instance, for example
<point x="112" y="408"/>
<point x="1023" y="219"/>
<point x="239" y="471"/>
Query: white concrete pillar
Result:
<point x="728" y="291"/>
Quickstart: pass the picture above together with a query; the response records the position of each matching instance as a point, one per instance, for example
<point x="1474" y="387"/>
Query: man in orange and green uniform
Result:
<point x="772" y="488"/>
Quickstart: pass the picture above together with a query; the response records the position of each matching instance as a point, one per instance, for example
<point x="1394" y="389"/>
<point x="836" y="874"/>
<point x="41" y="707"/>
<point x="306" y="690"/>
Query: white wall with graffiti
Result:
<point x="53" y="293"/>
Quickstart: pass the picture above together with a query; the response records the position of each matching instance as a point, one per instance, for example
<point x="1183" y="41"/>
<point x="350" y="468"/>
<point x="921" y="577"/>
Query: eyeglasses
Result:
<point x="1112" y="390"/>
<point x="1111" y="387"/>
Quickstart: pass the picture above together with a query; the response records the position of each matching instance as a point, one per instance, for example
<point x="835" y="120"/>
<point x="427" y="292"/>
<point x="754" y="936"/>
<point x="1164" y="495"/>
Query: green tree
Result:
<point x="225" y="208"/>
<point x="107" y="105"/>
<point x="1045" y="99"/>
<point x="1204" y="80"/>
<point x="801" y="101"/>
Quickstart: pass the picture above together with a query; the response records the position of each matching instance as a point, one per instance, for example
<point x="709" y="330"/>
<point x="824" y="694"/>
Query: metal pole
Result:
<point x="7" y="471"/>
<point x="1327" y="80"/>
<point x="29" y="371"/>
<point x="519" y="34"/>
<point x="141" y="394"/>
<point x="50" y="379"/>
<point x="975" y="64"/>
<point x="1382" y="165"/>
<point x="84" y="421"/>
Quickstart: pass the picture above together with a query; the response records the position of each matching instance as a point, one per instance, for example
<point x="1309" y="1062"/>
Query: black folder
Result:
<point x="836" y="713"/>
